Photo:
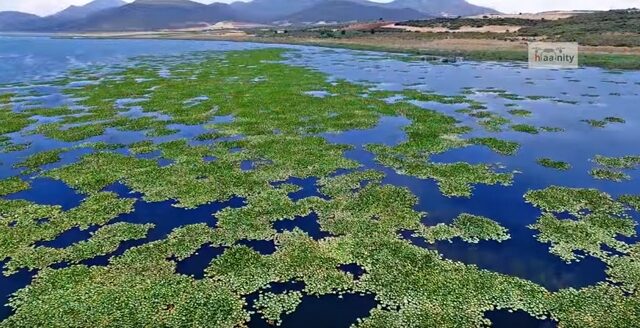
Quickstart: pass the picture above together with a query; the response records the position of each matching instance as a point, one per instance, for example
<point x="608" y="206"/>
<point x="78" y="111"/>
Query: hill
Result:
<point x="152" y="15"/>
<point x="346" y="11"/>
<point x="602" y="28"/>
<point x="69" y="15"/>
<point x="270" y="10"/>
<point x="13" y="20"/>
<point x="77" y="12"/>
<point x="144" y="15"/>
<point x="613" y="28"/>
<point x="442" y="8"/>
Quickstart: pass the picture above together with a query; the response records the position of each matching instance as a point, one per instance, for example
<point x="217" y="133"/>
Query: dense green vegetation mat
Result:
<point x="276" y="126"/>
<point x="614" y="27"/>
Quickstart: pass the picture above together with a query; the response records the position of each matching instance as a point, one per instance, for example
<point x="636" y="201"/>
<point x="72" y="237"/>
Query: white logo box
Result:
<point x="553" y="55"/>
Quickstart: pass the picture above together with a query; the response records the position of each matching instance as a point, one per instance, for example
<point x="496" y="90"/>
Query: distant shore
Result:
<point x="481" y="49"/>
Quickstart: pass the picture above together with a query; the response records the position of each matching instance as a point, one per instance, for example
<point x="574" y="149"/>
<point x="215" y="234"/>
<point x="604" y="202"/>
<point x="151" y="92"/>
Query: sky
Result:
<point x="46" y="7"/>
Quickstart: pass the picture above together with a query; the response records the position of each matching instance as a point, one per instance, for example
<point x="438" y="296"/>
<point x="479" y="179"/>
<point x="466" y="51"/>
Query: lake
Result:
<point x="571" y="116"/>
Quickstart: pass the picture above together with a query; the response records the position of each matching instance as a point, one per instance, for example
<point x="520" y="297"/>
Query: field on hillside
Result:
<point x="611" y="28"/>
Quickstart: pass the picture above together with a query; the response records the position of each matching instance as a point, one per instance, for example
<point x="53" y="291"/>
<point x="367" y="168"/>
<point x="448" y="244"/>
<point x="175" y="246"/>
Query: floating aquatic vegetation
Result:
<point x="11" y="121"/>
<point x="613" y="119"/>
<point x="344" y="185"/>
<point x="574" y="201"/>
<point x="525" y="128"/>
<point x="558" y="165"/>
<point x="5" y="98"/>
<point x="366" y="210"/>
<point x="103" y="146"/>
<point x="359" y="215"/>
<point x="273" y="306"/>
<point x="143" y="295"/>
<point x="22" y="225"/>
<point x="37" y="160"/>
<point x="12" y="185"/>
<point x="624" y="162"/>
<point x="242" y="269"/>
<point x="510" y="96"/>
<point x="104" y="241"/>
<point x="565" y="101"/>
<point x="454" y="180"/>
<point x="52" y="112"/>
<point x="598" y="221"/>
<point x="406" y="288"/>
<point x="520" y="112"/>
<point x="625" y="270"/>
<point x="551" y="129"/>
<point x="567" y="237"/>
<point x="72" y="134"/>
<point x="254" y="222"/>
<point x="8" y="146"/>
<point x="608" y="174"/>
<point x="494" y="123"/>
<point x="142" y="147"/>
<point x="478" y="114"/>
<point x="501" y="93"/>
<point x="537" y="97"/>
<point x="15" y="147"/>
<point x="434" y="97"/>
<point x="602" y="305"/>
<point x="500" y="146"/>
<point x="611" y="167"/>
<point x="595" y="123"/>
<point x="603" y="123"/>
<point x="470" y="228"/>
<point x="209" y="136"/>
<point x="491" y="121"/>
<point x="631" y="200"/>
<point x="432" y="133"/>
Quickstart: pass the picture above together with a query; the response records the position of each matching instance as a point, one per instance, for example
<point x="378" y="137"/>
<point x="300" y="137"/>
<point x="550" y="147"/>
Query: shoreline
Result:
<point x="470" y="49"/>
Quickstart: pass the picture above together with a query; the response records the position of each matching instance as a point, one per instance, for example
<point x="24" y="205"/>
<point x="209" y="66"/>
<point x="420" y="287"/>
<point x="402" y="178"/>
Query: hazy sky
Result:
<point x="45" y="7"/>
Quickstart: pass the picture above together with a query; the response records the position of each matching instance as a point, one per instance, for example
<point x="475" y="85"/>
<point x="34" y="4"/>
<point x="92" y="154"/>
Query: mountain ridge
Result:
<point x="143" y="15"/>
<point x="140" y="15"/>
<point x="345" y="11"/>
<point x="74" y="12"/>
<point x="440" y="8"/>
<point x="10" y="20"/>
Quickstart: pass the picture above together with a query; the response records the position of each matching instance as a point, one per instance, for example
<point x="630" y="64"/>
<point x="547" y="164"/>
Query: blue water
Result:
<point x="40" y="58"/>
<point x="31" y="60"/>
<point x="196" y="265"/>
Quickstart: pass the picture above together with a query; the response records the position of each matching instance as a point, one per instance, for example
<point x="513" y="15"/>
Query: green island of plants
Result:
<point x="610" y="167"/>
<point x="604" y="122"/>
<point x="273" y="306"/>
<point x="520" y="112"/>
<point x="631" y="200"/>
<point x="558" y="165"/>
<point x="525" y="128"/>
<point x="12" y="185"/>
<point x="35" y="161"/>
<point x="608" y="174"/>
<point x="469" y="228"/>
<point x="624" y="162"/>
<point x="597" y="220"/>
<point x="8" y="146"/>
<point x="500" y="146"/>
